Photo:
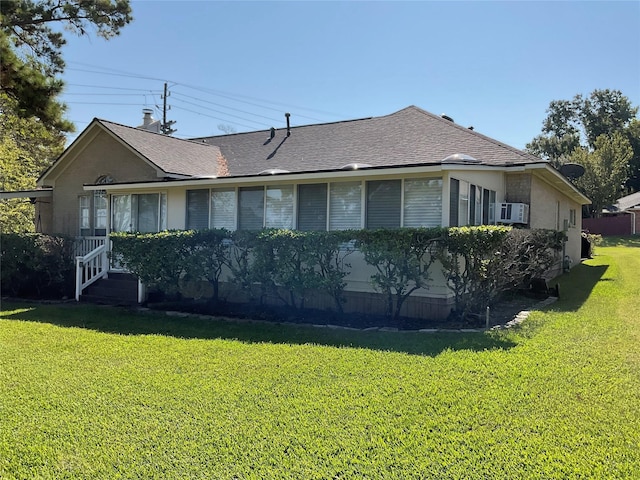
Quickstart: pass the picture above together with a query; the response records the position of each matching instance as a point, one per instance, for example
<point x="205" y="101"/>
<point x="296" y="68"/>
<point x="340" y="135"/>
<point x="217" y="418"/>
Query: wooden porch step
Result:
<point x="116" y="289"/>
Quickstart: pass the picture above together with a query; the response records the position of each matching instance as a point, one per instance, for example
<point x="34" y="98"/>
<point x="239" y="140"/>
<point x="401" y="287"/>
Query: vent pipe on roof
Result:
<point x="147" y="119"/>
<point x="288" y="126"/>
<point x="272" y="133"/>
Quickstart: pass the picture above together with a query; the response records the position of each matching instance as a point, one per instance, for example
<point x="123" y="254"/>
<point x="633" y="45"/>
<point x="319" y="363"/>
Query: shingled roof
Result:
<point x="410" y="136"/>
<point x="171" y="155"/>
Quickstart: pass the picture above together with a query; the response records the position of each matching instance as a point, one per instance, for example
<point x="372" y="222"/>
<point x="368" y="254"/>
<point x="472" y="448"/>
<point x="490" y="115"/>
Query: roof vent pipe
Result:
<point x="147" y="119"/>
<point x="288" y="126"/>
<point x="272" y="133"/>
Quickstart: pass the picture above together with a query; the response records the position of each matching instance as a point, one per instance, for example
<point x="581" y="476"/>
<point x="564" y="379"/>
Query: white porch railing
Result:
<point x="85" y="245"/>
<point x="91" y="267"/>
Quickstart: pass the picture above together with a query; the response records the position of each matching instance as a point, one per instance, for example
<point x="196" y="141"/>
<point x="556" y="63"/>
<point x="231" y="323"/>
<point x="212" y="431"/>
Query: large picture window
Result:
<point x="144" y="213"/>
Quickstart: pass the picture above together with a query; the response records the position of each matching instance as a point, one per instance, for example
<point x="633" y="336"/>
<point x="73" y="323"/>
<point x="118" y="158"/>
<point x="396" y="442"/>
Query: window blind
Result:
<point x="223" y="208"/>
<point x="251" y="208"/>
<point x="423" y="202"/>
<point x="345" y="205"/>
<point x="197" y="209"/>
<point x="312" y="207"/>
<point x="279" y="211"/>
<point x="383" y="203"/>
<point x="454" y="191"/>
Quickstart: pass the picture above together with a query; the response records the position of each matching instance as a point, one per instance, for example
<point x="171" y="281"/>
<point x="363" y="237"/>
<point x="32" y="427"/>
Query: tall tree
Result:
<point x="606" y="170"/>
<point x="27" y="147"/>
<point x="579" y="123"/>
<point x="31" y="48"/>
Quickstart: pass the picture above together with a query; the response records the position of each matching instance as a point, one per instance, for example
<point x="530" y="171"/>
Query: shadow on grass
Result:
<point x="576" y="286"/>
<point x="121" y="321"/>
<point x="621" y="242"/>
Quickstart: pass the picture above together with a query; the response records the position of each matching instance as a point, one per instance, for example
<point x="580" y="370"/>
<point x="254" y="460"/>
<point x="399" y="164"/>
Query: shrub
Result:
<point x="36" y="265"/>
<point x="402" y="259"/>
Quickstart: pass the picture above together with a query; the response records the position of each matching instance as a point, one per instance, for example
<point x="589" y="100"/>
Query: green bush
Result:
<point x="35" y="265"/>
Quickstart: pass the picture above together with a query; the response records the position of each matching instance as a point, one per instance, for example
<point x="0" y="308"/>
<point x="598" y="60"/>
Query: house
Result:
<point x="407" y="169"/>
<point x="622" y="218"/>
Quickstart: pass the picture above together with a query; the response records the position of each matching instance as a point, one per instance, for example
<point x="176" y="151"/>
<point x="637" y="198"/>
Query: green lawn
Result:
<point x="95" y="392"/>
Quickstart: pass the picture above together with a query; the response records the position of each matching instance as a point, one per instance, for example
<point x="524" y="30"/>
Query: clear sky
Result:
<point x="493" y="65"/>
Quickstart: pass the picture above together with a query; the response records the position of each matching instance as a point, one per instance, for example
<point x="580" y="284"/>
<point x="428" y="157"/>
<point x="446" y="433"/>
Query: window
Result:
<point x="488" y="207"/>
<point x="383" y="204"/>
<point x="145" y="213"/>
<point x="100" y="213"/>
<point x="85" y="215"/>
<point x="223" y="208"/>
<point x="250" y="208"/>
<point x="572" y="217"/>
<point x="279" y="211"/>
<point x="423" y="202"/>
<point x="197" y="209"/>
<point x="312" y="207"/>
<point x="345" y="205"/>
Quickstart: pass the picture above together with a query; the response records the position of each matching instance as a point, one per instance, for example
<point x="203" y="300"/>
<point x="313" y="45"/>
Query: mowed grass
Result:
<point x="102" y="393"/>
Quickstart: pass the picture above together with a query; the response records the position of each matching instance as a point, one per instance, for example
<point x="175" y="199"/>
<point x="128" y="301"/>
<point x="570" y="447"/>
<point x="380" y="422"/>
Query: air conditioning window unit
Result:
<point x="513" y="213"/>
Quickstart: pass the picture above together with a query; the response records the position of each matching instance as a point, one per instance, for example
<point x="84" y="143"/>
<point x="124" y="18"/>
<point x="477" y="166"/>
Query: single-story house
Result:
<point x="407" y="169"/>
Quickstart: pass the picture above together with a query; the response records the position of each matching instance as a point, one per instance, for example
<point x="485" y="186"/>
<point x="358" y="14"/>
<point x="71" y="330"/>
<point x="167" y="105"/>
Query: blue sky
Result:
<point x="493" y="65"/>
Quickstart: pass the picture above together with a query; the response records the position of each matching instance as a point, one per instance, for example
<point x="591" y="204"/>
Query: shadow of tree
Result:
<point x="122" y="321"/>
<point x="576" y="286"/>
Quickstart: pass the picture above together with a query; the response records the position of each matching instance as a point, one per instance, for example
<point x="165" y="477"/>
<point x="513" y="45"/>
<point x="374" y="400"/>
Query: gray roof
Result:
<point x="628" y="202"/>
<point x="410" y="136"/>
<point x="171" y="155"/>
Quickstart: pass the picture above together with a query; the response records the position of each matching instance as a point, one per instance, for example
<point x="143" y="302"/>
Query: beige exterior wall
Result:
<point x="101" y="155"/>
<point x="551" y="209"/>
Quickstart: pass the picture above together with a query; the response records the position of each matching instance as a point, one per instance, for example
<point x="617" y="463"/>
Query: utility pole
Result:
<point x="166" y="126"/>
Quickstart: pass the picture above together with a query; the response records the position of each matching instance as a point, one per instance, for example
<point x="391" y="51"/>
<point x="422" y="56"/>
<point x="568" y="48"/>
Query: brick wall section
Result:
<point x="518" y="188"/>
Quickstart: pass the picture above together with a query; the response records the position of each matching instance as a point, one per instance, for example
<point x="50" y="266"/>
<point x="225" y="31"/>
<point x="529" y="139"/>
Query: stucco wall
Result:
<point x="551" y="209"/>
<point x="102" y="156"/>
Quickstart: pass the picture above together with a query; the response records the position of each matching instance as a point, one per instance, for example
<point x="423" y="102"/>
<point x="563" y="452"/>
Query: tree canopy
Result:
<point x="27" y="148"/>
<point x="31" y="44"/>
<point x="587" y="130"/>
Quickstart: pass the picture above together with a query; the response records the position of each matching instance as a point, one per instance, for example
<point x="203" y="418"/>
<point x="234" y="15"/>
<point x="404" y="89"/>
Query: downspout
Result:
<point x="633" y="224"/>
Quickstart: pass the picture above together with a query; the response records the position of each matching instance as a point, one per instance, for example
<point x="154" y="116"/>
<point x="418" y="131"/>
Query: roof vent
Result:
<point x="355" y="166"/>
<point x="273" y="171"/>
<point x="288" y="125"/>
<point x="447" y="117"/>
<point x="461" y="158"/>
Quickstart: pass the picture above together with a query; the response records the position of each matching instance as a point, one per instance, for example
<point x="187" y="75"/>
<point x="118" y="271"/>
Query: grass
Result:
<point x="95" y="392"/>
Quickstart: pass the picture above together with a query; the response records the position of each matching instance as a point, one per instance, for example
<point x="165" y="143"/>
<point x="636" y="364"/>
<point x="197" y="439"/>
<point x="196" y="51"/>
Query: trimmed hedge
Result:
<point x="479" y="263"/>
<point x="35" y="265"/>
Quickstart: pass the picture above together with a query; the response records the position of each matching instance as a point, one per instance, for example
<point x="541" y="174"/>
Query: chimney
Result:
<point x="288" y="126"/>
<point x="147" y="119"/>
